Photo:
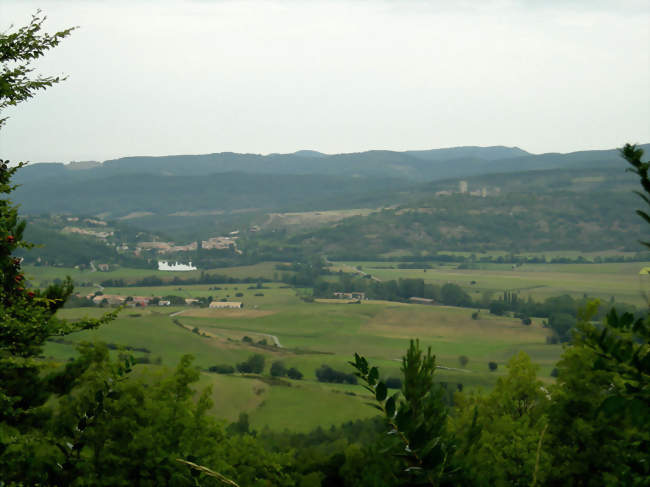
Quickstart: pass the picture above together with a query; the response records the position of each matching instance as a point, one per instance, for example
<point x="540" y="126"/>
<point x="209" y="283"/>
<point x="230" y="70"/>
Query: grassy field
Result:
<point x="43" y="275"/>
<point x="310" y="335"/>
<point x="620" y="280"/>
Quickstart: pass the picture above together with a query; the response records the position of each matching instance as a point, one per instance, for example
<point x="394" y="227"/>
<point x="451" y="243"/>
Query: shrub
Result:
<point x="239" y="295"/>
<point x="278" y="369"/>
<point x="244" y="368"/>
<point x="493" y="366"/>
<point x="498" y="308"/>
<point x="294" y="373"/>
<point x="254" y="365"/>
<point x="463" y="360"/>
<point x="475" y="315"/>
<point x="325" y="373"/>
<point x="247" y="339"/>
<point x="222" y="369"/>
<point x="526" y="321"/>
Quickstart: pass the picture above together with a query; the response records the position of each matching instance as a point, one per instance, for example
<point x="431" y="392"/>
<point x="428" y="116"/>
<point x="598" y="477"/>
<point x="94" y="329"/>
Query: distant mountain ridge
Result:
<point x="417" y="165"/>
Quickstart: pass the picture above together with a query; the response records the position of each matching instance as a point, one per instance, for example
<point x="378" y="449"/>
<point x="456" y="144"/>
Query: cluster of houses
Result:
<point x="211" y="243"/>
<point x="359" y="296"/>
<point x="362" y="296"/>
<point x="85" y="231"/>
<point x="143" y="301"/>
<point x="117" y="300"/>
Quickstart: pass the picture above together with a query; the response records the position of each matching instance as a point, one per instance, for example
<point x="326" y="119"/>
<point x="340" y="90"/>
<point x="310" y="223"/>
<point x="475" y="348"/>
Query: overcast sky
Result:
<point x="200" y="76"/>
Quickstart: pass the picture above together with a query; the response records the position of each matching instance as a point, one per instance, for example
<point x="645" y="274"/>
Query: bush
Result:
<point x="463" y="361"/>
<point x="247" y="339"/>
<point x="493" y="366"/>
<point x="278" y="369"/>
<point x="294" y="374"/>
<point x="526" y="321"/>
<point x="498" y="308"/>
<point x="222" y="369"/>
<point x="254" y="365"/>
<point x="475" y="315"/>
<point x="244" y="368"/>
<point x="394" y="383"/>
<point x="258" y="294"/>
<point x="325" y="373"/>
<point x="239" y="295"/>
<point x="554" y="372"/>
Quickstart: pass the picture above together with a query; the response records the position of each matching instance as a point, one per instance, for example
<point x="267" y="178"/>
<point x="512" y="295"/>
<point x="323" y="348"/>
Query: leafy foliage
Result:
<point x="18" y="50"/>
<point x="27" y="317"/>
<point x="418" y="420"/>
<point x="503" y="430"/>
<point x="633" y="154"/>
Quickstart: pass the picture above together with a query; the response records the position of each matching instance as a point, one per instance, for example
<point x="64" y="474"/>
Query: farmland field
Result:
<point x="310" y="335"/>
<point x="44" y="274"/>
<point x="540" y="281"/>
<point x="280" y="325"/>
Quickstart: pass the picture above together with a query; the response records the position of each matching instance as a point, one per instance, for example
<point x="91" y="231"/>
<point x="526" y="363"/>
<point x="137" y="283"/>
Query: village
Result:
<point x="98" y="298"/>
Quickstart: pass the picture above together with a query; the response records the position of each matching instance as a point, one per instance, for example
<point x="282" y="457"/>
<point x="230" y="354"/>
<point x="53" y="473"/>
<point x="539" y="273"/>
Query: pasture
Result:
<point x="43" y="275"/>
<point x="599" y="280"/>
<point x="305" y="335"/>
<point x="310" y="335"/>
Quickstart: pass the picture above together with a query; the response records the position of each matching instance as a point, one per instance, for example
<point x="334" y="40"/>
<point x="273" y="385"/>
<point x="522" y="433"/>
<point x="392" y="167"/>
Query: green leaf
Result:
<point x="380" y="391"/>
<point x="390" y="407"/>
<point x="373" y="375"/>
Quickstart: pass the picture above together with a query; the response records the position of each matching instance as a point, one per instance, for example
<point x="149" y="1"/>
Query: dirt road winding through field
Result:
<point x="275" y="339"/>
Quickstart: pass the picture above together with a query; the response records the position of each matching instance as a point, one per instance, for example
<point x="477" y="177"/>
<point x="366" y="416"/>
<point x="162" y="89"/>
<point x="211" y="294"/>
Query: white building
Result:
<point x="462" y="187"/>
<point x="163" y="265"/>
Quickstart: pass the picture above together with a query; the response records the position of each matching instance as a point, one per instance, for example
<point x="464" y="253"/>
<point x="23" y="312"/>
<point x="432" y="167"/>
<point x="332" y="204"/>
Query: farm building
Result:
<point x="111" y="299"/>
<point x="226" y="304"/>
<point x="163" y="265"/>
<point x="164" y="302"/>
<point x="141" y="300"/>
<point x="350" y="296"/>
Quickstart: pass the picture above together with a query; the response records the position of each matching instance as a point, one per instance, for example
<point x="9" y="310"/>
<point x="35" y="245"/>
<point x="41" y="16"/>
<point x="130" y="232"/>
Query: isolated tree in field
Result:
<point x="278" y="369"/>
<point x="294" y="374"/>
<point x="254" y="365"/>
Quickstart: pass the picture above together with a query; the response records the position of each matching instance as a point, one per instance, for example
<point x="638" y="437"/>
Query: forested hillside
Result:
<point x="557" y="209"/>
<point x="416" y="165"/>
